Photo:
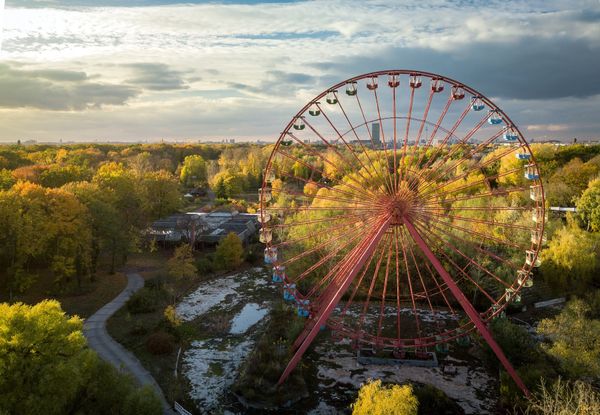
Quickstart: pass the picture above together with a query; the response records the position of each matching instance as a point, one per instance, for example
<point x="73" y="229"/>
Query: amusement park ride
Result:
<point x="374" y="216"/>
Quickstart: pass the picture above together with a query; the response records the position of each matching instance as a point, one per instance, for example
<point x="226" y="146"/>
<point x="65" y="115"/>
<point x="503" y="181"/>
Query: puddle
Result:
<point x="250" y="315"/>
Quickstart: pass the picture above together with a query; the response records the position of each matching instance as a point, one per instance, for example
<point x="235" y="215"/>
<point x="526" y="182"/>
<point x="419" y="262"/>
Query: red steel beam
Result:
<point x="328" y="306"/>
<point x="466" y="305"/>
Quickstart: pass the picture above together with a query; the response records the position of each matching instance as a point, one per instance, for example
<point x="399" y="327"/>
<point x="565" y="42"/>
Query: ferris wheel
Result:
<point x="394" y="200"/>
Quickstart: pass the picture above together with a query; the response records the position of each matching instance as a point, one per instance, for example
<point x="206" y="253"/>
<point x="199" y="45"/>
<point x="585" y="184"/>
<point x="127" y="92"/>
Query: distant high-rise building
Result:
<point x="375" y="133"/>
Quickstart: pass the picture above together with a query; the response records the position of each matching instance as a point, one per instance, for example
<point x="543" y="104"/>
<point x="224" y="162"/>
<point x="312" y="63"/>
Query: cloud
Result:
<point x="157" y="77"/>
<point x="548" y="127"/>
<point x="57" y="90"/>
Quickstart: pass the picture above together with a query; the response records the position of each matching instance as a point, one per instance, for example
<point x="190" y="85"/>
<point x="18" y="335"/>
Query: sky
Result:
<point x="137" y="70"/>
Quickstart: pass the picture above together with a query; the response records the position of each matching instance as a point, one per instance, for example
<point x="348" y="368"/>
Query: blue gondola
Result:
<point x="278" y="274"/>
<point x="523" y="156"/>
<point x="303" y="306"/>
<point x="289" y="292"/>
<point x="510" y="135"/>
<point x="531" y="172"/>
<point x="477" y="104"/>
<point x="270" y="255"/>
<point x="494" y="118"/>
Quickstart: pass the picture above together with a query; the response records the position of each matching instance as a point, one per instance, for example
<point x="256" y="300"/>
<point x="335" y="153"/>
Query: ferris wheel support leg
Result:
<point x="466" y="305"/>
<point x="365" y="249"/>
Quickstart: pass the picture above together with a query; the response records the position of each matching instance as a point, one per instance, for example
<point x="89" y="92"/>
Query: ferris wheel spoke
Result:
<point x="334" y="149"/>
<point x="475" y="246"/>
<point x="301" y="196"/>
<point x="484" y="236"/>
<point x="477" y="166"/>
<point x="382" y="309"/>
<point x="324" y="186"/>
<point x="454" y="264"/>
<point x="449" y="134"/>
<point x="481" y="221"/>
<point x="328" y="219"/>
<point x="408" y="278"/>
<point x="353" y="129"/>
<point x="493" y="193"/>
<point x="467" y="306"/>
<point x="425" y="290"/>
<point x="383" y="142"/>
<point x="483" y="181"/>
<point x="341" y="137"/>
<point x="407" y="131"/>
<point x="426" y="175"/>
<point x="470" y="261"/>
<point x="322" y="173"/>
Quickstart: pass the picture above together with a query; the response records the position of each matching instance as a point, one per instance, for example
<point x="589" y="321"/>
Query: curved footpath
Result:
<point x="98" y="339"/>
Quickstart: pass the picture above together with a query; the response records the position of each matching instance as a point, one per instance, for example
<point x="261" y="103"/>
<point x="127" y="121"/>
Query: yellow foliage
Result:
<point x="375" y="399"/>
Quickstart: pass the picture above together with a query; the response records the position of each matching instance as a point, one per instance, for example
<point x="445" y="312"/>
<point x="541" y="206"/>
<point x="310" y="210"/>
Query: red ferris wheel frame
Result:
<point x="392" y="213"/>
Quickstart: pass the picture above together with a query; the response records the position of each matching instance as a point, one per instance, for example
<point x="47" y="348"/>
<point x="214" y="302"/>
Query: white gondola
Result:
<point x="270" y="176"/>
<point x="351" y="88"/>
<point x="331" y="98"/>
<point x="539" y="215"/>
<point x="524" y="278"/>
<point x="458" y="92"/>
<point x="372" y="83"/>
<point x="494" y="118"/>
<point x="510" y="135"/>
<point x="536" y="193"/>
<point x="270" y="255"/>
<point x="523" y="156"/>
<point x="286" y="140"/>
<point x="265" y="235"/>
<point x="538" y="237"/>
<point x="531" y="259"/>
<point x="415" y="81"/>
<point x="263" y="215"/>
<point x="265" y="194"/>
<point x="531" y="172"/>
<point x="512" y="295"/>
<point x="299" y="124"/>
<point x="393" y="80"/>
<point x="437" y="85"/>
<point x="314" y="110"/>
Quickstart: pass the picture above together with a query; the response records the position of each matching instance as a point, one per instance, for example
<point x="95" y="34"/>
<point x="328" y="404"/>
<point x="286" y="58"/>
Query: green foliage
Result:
<point x="588" y="206"/>
<point x="434" y="401"/>
<point x="142" y="401"/>
<point x="160" y="194"/>
<point x="574" y="340"/>
<point x="193" y="172"/>
<point x="46" y="367"/>
<point x="204" y="266"/>
<point x="375" y="399"/>
<point x="6" y="179"/>
<point x="571" y="259"/>
<point x="230" y="252"/>
<point x="517" y="344"/>
<point x="144" y="301"/>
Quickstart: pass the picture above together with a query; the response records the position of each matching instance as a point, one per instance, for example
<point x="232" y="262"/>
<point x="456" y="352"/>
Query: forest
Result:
<point x="68" y="211"/>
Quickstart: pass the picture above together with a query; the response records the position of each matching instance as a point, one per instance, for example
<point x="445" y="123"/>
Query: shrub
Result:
<point x="144" y="301"/>
<point x="230" y="252"/>
<point x="434" y="401"/>
<point x="375" y="399"/>
<point x="160" y="343"/>
<point x="204" y="265"/>
<point x="142" y="401"/>
<point x="564" y="398"/>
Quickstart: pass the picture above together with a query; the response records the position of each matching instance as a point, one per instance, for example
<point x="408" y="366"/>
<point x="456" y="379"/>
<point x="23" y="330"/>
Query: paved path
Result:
<point x="98" y="339"/>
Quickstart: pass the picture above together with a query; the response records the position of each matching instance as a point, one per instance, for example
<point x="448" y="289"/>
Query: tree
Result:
<point x="46" y="368"/>
<point x="193" y="172"/>
<point x="574" y="340"/>
<point x="6" y="179"/>
<point x="160" y="194"/>
<point x="571" y="258"/>
<point x="182" y="265"/>
<point x="565" y="398"/>
<point x="230" y="252"/>
<point x="375" y="399"/>
<point x="44" y="360"/>
<point x="588" y="206"/>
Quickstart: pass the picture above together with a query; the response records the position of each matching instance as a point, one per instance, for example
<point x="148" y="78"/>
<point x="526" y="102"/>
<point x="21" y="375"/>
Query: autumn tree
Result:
<point x="181" y="266"/>
<point x="573" y="340"/>
<point x="160" y="194"/>
<point x="46" y="368"/>
<point x="230" y="252"/>
<point x="376" y="399"/>
<point x="564" y="398"/>
<point x="6" y="179"/>
<point x="588" y="206"/>
<point x="193" y="172"/>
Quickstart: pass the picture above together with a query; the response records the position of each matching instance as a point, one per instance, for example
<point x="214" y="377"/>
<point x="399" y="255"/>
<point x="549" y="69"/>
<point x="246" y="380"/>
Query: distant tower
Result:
<point x="375" y="133"/>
